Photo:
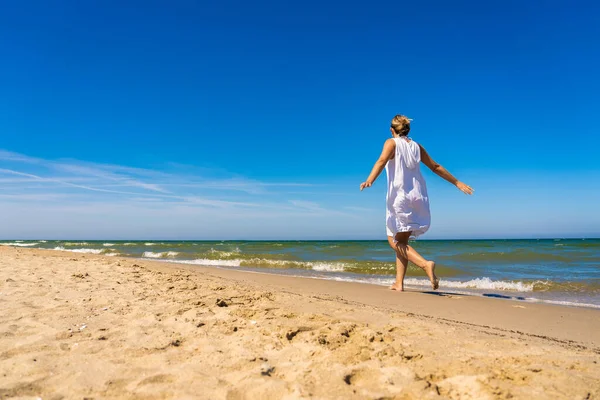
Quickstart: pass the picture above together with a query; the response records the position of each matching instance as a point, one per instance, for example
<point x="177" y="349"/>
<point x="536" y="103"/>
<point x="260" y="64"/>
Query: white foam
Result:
<point x="225" y="253"/>
<point x="108" y="244"/>
<point x="328" y="267"/>
<point x="478" y="283"/>
<point x="207" y="262"/>
<point x="85" y="251"/>
<point x="563" y="303"/>
<point x="150" y="244"/>
<point x="18" y="244"/>
<point x="151" y="254"/>
<point x="112" y="254"/>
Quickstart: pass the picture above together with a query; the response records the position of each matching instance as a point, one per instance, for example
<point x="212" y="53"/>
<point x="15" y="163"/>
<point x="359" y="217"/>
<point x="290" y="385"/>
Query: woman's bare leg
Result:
<point x="400" y="247"/>
<point x="428" y="266"/>
<point x="405" y="253"/>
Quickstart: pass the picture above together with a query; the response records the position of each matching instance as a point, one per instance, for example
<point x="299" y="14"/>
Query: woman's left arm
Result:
<point x="386" y="155"/>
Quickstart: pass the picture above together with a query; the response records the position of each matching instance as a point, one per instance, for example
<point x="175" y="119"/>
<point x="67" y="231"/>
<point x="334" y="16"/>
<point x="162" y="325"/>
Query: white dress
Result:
<point x="407" y="203"/>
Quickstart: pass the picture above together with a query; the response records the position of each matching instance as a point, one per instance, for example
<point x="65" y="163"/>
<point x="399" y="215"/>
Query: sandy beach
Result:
<point x="75" y="326"/>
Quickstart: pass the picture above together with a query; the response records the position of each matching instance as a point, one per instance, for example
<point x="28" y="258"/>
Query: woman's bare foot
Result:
<point x="430" y="271"/>
<point x="397" y="286"/>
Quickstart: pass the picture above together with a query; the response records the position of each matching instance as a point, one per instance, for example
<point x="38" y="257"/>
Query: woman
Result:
<point x="407" y="214"/>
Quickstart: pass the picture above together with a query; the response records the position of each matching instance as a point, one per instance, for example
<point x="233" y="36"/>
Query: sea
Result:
<point x="556" y="271"/>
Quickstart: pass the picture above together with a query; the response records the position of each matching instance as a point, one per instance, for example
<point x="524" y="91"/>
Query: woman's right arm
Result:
<point x="386" y="154"/>
<point x="443" y="172"/>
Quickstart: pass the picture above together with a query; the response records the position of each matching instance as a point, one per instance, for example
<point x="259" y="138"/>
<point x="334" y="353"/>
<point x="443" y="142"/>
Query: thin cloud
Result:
<point x="100" y="173"/>
<point x="77" y="183"/>
<point x="10" y="156"/>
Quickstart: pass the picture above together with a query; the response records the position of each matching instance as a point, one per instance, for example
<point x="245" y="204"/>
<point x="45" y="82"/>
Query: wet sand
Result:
<point x="83" y="326"/>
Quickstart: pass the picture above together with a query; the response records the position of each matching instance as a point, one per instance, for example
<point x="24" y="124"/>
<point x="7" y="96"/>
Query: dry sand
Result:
<point x="78" y="326"/>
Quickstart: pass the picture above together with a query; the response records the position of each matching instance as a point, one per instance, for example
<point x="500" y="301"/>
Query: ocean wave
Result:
<point x="563" y="302"/>
<point x="150" y="254"/>
<point x="327" y="267"/>
<point x="112" y="254"/>
<point x="18" y="244"/>
<point x="515" y="256"/>
<point x="478" y="283"/>
<point x="207" y="262"/>
<point x="283" y="264"/>
<point x="85" y="251"/>
<point x="465" y="288"/>
<point x="108" y="244"/>
<point x="360" y="267"/>
<point x="224" y="254"/>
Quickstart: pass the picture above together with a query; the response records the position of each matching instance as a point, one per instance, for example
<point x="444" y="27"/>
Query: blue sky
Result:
<point x="192" y="120"/>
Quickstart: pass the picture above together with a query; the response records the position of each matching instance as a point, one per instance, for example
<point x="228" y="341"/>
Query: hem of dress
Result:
<point x="414" y="235"/>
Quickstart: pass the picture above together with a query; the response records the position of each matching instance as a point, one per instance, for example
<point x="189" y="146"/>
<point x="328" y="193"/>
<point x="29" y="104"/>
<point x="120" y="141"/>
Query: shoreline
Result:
<point x="82" y="325"/>
<point x="575" y="290"/>
<point x="518" y="296"/>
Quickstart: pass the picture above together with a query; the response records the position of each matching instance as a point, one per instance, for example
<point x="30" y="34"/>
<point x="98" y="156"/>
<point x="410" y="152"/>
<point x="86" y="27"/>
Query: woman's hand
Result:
<point x="365" y="184"/>
<point x="466" y="189"/>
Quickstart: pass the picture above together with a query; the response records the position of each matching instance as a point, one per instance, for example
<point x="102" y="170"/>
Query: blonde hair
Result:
<point x="401" y="125"/>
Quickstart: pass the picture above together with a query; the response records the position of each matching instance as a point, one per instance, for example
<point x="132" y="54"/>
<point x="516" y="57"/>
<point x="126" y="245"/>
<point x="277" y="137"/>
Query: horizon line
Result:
<point x="298" y="240"/>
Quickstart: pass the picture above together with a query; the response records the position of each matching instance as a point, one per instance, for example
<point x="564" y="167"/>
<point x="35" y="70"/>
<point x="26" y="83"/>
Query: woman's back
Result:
<point x="407" y="199"/>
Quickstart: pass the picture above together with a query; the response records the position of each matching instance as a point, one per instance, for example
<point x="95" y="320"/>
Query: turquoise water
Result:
<point x="563" y="271"/>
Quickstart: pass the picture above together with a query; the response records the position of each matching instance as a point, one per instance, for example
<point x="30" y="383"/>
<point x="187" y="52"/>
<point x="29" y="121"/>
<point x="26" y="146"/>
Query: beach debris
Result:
<point x="266" y="369"/>
<point x="253" y="322"/>
<point x="222" y="303"/>
<point x="323" y="340"/>
<point x="292" y="333"/>
<point x="348" y="378"/>
<point x="200" y="324"/>
<point x="82" y="327"/>
<point x="80" y="276"/>
<point x="102" y="338"/>
<point x="176" y="343"/>
<point x="105" y="309"/>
